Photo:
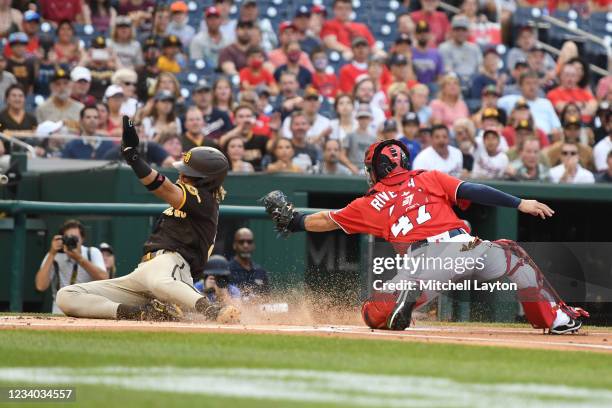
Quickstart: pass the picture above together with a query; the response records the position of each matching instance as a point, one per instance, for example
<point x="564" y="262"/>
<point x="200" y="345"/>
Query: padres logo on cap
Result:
<point x="186" y="157"/>
<point x="61" y="72"/>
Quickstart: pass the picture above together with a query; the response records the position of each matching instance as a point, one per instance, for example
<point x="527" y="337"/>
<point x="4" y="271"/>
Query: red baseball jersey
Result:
<point x="418" y="208"/>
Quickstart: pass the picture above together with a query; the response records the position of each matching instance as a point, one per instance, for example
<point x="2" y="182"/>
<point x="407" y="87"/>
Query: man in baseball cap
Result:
<point x="461" y="56"/>
<point x="59" y="105"/>
<point x="209" y="41"/>
<point x="410" y="131"/>
<point x="171" y="48"/>
<point x="81" y="83"/>
<point x="109" y="259"/>
<point x="178" y="25"/>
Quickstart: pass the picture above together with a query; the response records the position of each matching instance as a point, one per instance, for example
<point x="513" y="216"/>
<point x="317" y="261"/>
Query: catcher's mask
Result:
<point x="207" y="164"/>
<point x="386" y="159"/>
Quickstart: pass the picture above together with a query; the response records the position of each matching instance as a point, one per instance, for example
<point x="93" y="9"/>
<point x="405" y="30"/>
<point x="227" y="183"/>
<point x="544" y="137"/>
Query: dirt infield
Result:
<point x="589" y="339"/>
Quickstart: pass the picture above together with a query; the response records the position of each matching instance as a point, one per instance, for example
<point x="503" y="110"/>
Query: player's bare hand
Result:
<point x="56" y="244"/>
<point x="535" y="208"/>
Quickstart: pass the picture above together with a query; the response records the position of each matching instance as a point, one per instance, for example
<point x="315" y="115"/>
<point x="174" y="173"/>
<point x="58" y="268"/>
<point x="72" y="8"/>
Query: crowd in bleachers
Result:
<point x="290" y="86"/>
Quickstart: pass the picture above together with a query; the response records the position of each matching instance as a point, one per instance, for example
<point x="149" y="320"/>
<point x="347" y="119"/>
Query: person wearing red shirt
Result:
<point x="413" y="210"/>
<point x="437" y="20"/>
<point x="30" y="26"/>
<point x="287" y="33"/>
<point x="359" y="66"/>
<point x="569" y="91"/>
<point x="255" y="73"/>
<point x="60" y="10"/>
<point x="401" y="71"/>
<point x="338" y="34"/>
<point x="326" y="83"/>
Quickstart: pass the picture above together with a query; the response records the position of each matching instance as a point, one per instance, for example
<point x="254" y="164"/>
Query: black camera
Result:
<point x="71" y="241"/>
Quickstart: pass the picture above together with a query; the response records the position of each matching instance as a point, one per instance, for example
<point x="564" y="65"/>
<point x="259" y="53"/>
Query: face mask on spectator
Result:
<point x="256" y="63"/>
<point x="294" y="56"/>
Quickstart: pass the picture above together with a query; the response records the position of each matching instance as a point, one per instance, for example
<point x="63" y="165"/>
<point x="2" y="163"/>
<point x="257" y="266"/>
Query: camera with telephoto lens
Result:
<point x="71" y="241"/>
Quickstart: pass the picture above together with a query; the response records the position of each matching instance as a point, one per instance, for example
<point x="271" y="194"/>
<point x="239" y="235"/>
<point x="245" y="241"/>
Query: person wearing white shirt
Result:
<point x="570" y="171"/>
<point x="69" y="262"/>
<point x="440" y="155"/>
<point x="489" y="161"/>
<point x="600" y="152"/>
<point x="542" y="110"/>
<point x="318" y="123"/>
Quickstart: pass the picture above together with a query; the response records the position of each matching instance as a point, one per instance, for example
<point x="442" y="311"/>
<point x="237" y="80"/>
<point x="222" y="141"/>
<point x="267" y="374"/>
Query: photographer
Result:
<point x="215" y="282"/>
<point x="69" y="262"/>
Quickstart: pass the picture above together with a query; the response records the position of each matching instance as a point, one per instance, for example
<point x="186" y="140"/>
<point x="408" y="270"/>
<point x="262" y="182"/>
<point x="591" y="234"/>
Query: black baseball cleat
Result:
<point x="571" y="327"/>
<point x="402" y="313"/>
<point x="159" y="311"/>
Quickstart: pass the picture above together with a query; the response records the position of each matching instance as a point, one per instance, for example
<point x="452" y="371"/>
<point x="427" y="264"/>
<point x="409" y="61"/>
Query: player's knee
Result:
<point x="66" y="299"/>
<point x="377" y="309"/>
<point x="160" y="287"/>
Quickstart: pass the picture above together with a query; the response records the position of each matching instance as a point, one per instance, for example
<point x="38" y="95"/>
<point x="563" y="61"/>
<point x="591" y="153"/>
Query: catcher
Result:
<point x="413" y="208"/>
<point x="161" y="286"/>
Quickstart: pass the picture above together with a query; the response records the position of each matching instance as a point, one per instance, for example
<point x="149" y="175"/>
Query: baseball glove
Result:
<point x="229" y="315"/>
<point x="281" y="211"/>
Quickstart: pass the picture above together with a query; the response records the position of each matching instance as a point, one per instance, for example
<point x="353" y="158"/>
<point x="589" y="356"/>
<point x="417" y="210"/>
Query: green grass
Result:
<point x="465" y="364"/>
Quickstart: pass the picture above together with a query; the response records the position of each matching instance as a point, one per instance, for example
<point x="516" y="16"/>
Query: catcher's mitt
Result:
<point x="280" y="210"/>
<point x="229" y="315"/>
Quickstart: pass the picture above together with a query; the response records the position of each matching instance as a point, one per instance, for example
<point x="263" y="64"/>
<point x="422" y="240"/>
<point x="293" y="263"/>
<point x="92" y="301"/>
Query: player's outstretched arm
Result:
<point x="481" y="194"/>
<point x="152" y="180"/>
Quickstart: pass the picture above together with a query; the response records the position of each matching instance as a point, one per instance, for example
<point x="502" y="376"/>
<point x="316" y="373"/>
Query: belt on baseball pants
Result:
<point x="150" y="255"/>
<point x="423" y="242"/>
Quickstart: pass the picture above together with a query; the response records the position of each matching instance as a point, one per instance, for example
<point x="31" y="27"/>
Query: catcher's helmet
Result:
<point x="388" y="158"/>
<point x="205" y="163"/>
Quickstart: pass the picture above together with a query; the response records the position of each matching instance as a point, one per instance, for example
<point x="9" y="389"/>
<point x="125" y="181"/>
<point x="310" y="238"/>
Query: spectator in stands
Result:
<point x="465" y="140"/>
<point x="410" y="129"/>
<point x="293" y="54"/>
<point x="356" y="143"/>
<point x="344" y="123"/>
<point x="459" y="56"/>
<point x="127" y="79"/>
<point x="570" y="171"/>
<point x="306" y="154"/>
<point x="100" y="14"/>
<point x="209" y="41"/>
<point x="258" y="99"/>
<point x="171" y="57"/>
<point x="88" y="146"/>
<point x="488" y="75"/>
<point x="604" y="146"/>
<point x="10" y="18"/>
<point x="147" y="74"/>
<point x="512" y="85"/>
<point x="60" y="106"/>
<point x="525" y="41"/>
<point x="283" y="157"/>
<point x="171" y="143"/>
<point x="288" y="100"/>
<point x="528" y="166"/>
<point x="419" y="97"/>
<point x="19" y="64"/>
<point x="606" y="175"/>
<point x="223" y="98"/>
<point x="58" y="11"/>
<point x="318" y="123"/>
<point x="234" y="150"/>
<point x="440" y="155"/>
<point x="179" y="23"/>
<point x="543" y="112"/>
<point x="572" y="109"/>
<point x="109" y="259"/>
<point x="301" y="22"/>
<point x="536" y="59"/>
<point x="65" y="265"/>
<point x="124" y="45"/>
<point x="255" y="146"/>
<point x="521" y="113"/>
<point x="491" y="119"/>
<point x="217" y="121"/>
<point x="490" y="162"/>
<point x="489" y="99"/>
<point x="405" y="26"/>
<point x="569" y="91"/>
<point x="339" y="33"/>
<point x="100" y="61"/>
<point x="400" y="106"/>
<point x="151" y="152"/>
<point x="427" y="61"/>
<point x="364" y="93"/>
<point x="234" y="57"/>
<point x="331" y="160"/>
<point x="161" y="19"/>
<point x="287" y="34"/>
<point x="6" y="79"/>
<point x="31" y="27"/>
<point x="403" y="45"/>
<point x="162" y="117"/>
<point x="14" y="120"/>
<point x="435" y="19"/>
<point x="194" y="134"/>
<point x="103" y="118"/>
<point x="250" y="12"/>
<point x="114" y="97"/>
<point x="571" y="134"/>
<point x="360" y="50"/>
<point x="81" y="83"/>
<point x="228" y="25"/>
<point x="248" y="276"/>
<point x="254" y="72"/>
<point x="66" y="49"/>
<point x="449" y="105"/>
<point x="167" y="81"/>
<point x="401" y="71"/>
<point x="52" y="142"/>
<point x="326" y="83"/>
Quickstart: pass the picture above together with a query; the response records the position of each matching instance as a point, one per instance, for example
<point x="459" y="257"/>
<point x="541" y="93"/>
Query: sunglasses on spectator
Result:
<point x="245" y="241"/>
<point x="129" y="83"/>
<point x="569" y="153"/>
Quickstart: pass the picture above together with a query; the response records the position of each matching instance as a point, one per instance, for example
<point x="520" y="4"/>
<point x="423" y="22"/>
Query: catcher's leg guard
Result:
<point x="543" y="307"/>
